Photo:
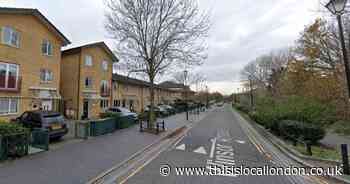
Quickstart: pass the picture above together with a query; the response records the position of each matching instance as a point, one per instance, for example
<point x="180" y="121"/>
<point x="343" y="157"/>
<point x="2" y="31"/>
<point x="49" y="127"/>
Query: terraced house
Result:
<point x="134" y="94"/>
<point x="86" y="80"/>
<point x="30" y="58"/>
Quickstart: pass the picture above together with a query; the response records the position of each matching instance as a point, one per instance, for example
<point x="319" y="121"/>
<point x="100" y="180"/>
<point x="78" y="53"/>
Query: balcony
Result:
<point x="105" y="91"/>
<point x="10" y="84"/>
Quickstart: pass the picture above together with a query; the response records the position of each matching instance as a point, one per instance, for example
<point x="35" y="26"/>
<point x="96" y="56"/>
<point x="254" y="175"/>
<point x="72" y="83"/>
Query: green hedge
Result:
<point x="298" y="131"/>
<point x="11" y="129"/>
<point x="269" y="112"/>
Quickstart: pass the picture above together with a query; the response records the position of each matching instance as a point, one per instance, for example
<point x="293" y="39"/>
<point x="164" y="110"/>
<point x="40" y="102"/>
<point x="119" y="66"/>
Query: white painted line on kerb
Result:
<point x="212" y="147"/>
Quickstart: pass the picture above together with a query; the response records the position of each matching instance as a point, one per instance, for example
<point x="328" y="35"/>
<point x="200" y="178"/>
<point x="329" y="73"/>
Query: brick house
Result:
<point x="86" y="80"/>
<point x="30" y="57"/>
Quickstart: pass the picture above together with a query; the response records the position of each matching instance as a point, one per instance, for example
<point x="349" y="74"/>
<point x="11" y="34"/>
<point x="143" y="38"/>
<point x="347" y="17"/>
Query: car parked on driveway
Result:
<point x="123" y="112"/>
<point x="54" y="122"/>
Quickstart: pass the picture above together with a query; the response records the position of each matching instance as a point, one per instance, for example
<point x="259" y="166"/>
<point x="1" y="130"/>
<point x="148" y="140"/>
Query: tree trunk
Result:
<point x="151" y="114"/>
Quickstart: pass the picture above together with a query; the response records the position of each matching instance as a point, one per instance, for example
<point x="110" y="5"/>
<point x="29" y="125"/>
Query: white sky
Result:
<point x="241" y="29"/>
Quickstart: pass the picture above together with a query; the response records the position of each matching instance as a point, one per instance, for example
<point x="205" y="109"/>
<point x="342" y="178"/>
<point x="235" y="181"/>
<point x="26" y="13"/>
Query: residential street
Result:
<point x="77" y="162"/>
<point x="195" y="150"/>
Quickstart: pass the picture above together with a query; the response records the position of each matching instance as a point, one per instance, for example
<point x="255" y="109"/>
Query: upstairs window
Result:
<point x="46" y="48"/>
<point x="104" y="86"/>
<point x="88" y="60"/>
<point x="46" y="75"/>
<point x="8" y="76"/>
<point x="105" y="65"/>
<point x="88" y="82"/>
<point x="10" y="36"/>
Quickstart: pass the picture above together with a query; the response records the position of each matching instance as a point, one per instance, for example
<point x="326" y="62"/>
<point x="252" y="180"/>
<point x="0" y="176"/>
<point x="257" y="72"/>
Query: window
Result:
<point x="8" y="106"/>
<point x="105" y="65"/>
<point x="8" y="76"/>
<point x="116" y="103"/>
<point x="104" y="104"/>
<point x="88" y="82"/>
<point x="88" y="60"/>
<point x="10" y="36"/>
<point x="46" y="75"/>
<point x="46" y="48"/>
<point x="104" y="86"/>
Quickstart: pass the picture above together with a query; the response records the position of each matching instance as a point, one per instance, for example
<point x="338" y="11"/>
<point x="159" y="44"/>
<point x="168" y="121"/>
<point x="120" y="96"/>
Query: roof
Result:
<point x="98" y="44"/>
<point x="128" y="80"/>
<point x="36" y="13"/>
<point x="172" y="85"/>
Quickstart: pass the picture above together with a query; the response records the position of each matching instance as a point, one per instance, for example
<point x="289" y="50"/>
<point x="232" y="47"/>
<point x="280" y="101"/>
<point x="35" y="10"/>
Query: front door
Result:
<point x="85" y="109"/>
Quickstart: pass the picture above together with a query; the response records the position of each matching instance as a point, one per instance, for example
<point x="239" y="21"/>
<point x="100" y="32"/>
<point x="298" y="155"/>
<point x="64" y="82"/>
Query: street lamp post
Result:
<point x="337" y="8"/>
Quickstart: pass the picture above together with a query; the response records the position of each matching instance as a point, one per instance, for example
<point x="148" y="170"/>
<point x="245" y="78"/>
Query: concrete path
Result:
<point x="79" y="161"/>
<point x="334" y="141"/>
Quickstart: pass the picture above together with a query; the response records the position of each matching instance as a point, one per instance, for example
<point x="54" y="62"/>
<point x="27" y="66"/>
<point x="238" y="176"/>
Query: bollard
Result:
<point x="345" y="158"/>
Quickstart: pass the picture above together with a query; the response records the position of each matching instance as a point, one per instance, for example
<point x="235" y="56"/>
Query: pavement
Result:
<point x="222" y="137"/>
<point x="333" y="140"/>
<point x="78" y="161"/>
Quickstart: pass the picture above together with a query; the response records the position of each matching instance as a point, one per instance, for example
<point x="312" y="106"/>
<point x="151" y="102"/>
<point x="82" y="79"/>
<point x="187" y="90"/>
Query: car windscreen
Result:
<point x="53" y="119"/>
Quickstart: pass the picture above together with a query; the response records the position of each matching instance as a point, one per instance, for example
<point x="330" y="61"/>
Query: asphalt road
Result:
<point x="222" y="137"/>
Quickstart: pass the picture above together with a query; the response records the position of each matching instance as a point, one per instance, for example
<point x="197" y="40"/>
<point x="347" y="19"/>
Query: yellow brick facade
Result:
<point x="30" y="61"/>
<point x="74" y="74"/>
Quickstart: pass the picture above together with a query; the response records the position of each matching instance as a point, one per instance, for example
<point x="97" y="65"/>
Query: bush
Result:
<point x="270" y="112"/>
<point x="110" y="115"/>
<point x="305" y="132"/>
<point x="11" y="128"/>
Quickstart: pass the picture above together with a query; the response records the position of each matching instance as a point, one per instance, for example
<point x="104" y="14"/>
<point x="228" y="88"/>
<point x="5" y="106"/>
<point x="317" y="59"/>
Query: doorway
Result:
<point x="86" y="106"/>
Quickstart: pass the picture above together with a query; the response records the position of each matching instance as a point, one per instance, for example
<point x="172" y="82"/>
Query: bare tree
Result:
<point x="189" y="78"/>
<point x="153" y="35"/>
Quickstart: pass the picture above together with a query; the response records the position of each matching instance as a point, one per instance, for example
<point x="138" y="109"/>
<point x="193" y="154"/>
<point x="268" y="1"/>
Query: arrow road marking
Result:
<point x="181" y="147"/>
<point x="240" y="142"/>
<point x="200" y="150"/>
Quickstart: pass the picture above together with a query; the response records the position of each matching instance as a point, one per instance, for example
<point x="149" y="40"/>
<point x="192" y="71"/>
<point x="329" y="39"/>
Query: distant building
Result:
<point x="185" y="91"/>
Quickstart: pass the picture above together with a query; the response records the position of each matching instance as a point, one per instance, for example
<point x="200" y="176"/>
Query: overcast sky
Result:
<point x="241" y="29"/>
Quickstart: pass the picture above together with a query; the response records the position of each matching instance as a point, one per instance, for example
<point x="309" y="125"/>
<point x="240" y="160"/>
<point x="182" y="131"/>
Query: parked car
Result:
<point x="54" y="122"/>
<point x="170" y="109"/>
<point x="156" y="110"/>
<point x="123" y="111"/>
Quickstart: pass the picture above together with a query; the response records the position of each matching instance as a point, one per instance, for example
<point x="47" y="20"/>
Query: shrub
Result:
<point x="110" y="115"/>
<point x="305" y="132"/>
<point x="11" y="128"/>
<point x="270" y="112"/>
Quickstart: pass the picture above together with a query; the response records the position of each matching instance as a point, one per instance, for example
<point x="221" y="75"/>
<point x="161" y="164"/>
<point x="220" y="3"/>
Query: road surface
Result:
<point x="222" y="138"/>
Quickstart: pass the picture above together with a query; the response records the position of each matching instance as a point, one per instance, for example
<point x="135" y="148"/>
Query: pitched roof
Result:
<point x="99" y="44"/>
<point x="171" y="84"/>
<point x="36" y="13"/>
<point x="128" y="80"/>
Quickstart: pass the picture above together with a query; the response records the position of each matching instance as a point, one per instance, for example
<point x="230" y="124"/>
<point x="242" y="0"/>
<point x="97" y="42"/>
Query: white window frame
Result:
<point x="48" y="46"/>
<point x="8" y="111"/>
<point x="104" y="83"/>
<point x="47" y="76"/>
<point x="86" y="63"/>
<point x="104" y="104"/>
<point x="104" y="65"/>
<point x="7" y="75"/>
<point x="12" y="32"/>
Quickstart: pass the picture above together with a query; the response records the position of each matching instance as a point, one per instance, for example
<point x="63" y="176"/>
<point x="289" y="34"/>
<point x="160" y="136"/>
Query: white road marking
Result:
<point x="200" y="150"/>
<point x="212" y="147"/>
<point x="181" y="147"/>
<point x="240" y="142"/>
